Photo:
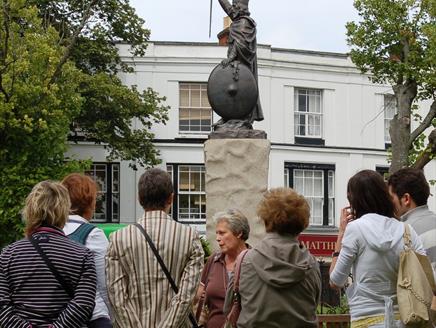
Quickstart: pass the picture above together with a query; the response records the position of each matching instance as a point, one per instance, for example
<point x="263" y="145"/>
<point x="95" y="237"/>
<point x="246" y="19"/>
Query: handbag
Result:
<point x="165" y="270"/>
<point x="202" y="310"/>
<point x="415" y="284"/>
<point x="235" y="310"/>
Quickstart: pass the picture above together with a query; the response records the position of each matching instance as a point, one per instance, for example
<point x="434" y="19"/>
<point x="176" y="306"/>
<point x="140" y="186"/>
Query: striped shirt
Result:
<point x="30" y="295"/>
<point x="138" y="290"/>
<point x="424" y="222"/>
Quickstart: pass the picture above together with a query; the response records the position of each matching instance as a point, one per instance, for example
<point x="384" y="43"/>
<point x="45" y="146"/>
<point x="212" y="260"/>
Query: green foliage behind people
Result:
<point x="395" y="41"/>
<point x="58" y="66"/>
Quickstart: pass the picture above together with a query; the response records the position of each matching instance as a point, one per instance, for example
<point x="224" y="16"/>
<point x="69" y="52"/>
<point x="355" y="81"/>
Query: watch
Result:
<point x="335" y="254"/>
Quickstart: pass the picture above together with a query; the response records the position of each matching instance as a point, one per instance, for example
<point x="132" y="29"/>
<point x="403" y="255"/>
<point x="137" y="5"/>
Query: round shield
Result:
<point x="232" y="91"/>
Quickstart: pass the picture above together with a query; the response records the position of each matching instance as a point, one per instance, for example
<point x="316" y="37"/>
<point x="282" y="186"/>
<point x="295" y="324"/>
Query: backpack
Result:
<point x="81" y="233"/>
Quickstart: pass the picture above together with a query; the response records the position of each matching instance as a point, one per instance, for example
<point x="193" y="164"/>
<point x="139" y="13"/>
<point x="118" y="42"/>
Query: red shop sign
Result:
<point x="319" y="245"/>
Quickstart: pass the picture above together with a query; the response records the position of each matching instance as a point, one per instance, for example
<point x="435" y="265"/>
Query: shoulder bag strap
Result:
<point x="407" y="237"/>
<point x="238" y="269"/>
<point x="51" y="267"/>
<point x="164" y="268"/>
<point x="202" y="299"/>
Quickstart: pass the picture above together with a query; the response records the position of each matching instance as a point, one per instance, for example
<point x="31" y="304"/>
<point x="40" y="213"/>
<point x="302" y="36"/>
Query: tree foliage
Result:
<point x="92" y="29"/>
<point x="58" y="71"/>
<point x="395" y="41"/>
<point x="34" y="114"/>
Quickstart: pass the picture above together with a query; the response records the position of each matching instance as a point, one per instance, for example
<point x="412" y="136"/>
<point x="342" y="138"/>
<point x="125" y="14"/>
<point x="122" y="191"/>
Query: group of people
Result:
<point x="371" y="238"/>
<point x="65" y="273"/>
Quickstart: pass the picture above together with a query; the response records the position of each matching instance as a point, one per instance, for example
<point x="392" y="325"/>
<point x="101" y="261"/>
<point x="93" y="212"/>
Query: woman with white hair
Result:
<point x="232" y="230"/>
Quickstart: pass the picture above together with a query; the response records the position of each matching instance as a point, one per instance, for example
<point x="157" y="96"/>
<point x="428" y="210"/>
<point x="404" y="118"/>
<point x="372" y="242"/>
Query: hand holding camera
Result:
<point x="347" y="215"/>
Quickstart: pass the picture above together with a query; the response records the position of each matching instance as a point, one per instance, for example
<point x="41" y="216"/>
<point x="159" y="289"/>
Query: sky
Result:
<point x="309" y="24"/>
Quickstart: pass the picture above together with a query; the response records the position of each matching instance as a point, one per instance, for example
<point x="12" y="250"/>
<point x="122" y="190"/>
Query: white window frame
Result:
<point x="108" y="192"/>
<point x="198" y="216"/>
<point x="311" y="113"/>
<point x="389" y="109"/>
<point x="327" y="198"/>
<point x="203" y="108"/>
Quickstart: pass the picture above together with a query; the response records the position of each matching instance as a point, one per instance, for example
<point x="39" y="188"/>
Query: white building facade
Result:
<point x="325" y="121"/>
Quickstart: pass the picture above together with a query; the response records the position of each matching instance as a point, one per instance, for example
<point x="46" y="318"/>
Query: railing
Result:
<point x="333" y="320"/>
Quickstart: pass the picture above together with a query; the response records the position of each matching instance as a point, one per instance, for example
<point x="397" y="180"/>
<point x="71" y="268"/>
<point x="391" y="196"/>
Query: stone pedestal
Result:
<point x="236" y="177"/>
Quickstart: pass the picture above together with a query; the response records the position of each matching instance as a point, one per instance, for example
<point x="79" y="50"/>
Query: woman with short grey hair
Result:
<point x="236" y="220"/>
<point x="232" y="231"/>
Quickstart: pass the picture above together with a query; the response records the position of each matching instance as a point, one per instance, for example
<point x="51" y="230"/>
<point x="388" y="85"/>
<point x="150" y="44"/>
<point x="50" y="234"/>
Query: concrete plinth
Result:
<point x="236" y="177"/>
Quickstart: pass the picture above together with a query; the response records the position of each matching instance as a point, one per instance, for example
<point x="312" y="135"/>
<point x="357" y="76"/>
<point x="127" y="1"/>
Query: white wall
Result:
<point x="353" y="126"/>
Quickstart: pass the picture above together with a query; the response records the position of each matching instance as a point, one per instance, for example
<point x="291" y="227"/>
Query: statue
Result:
<point x="241" y="51"/>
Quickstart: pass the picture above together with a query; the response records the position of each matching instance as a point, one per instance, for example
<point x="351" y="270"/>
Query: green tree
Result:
<point x="91" y="30"/>
<point x="58" y="72"/>
<point x="35" y="113"/>
<point x="395" y="41"/>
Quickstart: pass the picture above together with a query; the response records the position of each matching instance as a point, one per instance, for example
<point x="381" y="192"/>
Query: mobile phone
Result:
<point x="352" y="213"/>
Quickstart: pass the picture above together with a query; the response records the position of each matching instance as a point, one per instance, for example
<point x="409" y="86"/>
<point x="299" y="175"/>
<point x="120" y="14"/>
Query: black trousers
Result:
<point x="102" y="322"/>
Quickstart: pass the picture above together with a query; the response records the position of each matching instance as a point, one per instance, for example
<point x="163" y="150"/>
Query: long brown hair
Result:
<point x="368" y="193"/>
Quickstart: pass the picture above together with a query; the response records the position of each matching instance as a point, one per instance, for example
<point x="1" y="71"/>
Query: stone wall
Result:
<point x="236" y="177"/>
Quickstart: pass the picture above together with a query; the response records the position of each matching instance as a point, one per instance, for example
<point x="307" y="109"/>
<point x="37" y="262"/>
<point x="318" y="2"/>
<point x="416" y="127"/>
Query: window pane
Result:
<point x="204" y="99"/>
<point x="191" y="193"/>
<point x="310" y="183"/>
<point x="308" y="101"/>
<point x="107" y="178"/>
<point x="195" y="98"/>
<point x="302" y="106"/>
<point x="286" y="177"/>
<point x="316" y="211"/>
<point x="184" y="183"/>
<point x="308" y="186"/>
<point x="184" y="208"/>
<point x="184" y="98"/>
<point x="318" y="184"/>
<point x="331" y="186"/>
<point x="195" y="181"/>
<point x="390" y="108"/>
<point x="331" y="211"/>
<point x="115" y="179"/>
<point x="195" y="113"/>
<point x="100" y="207"/>
<point x="115" y="207"/>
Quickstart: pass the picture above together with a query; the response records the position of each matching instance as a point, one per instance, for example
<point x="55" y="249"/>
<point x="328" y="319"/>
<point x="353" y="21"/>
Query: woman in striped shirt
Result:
<point x="31" y="295"/>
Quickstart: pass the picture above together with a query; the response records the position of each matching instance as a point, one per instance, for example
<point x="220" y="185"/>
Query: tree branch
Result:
<point x="72" y="43"/>
<point x="427" y="155"/>
<point x="424" y="124"/>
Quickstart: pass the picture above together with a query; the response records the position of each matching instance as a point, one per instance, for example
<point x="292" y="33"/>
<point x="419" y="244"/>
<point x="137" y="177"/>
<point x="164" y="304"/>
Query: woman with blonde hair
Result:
<point x="46" y="280"/>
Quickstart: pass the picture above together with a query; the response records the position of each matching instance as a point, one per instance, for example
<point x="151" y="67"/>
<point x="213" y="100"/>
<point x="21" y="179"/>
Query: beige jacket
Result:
<point x="138" y="290"/>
